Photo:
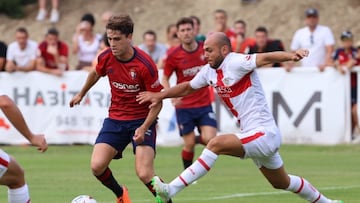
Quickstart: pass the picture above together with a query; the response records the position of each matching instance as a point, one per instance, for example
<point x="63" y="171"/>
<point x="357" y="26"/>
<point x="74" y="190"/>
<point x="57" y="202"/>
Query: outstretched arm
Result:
<point x="280" y="56"/>
<point x="179" y="90"/>
<point x="13" y="113"/>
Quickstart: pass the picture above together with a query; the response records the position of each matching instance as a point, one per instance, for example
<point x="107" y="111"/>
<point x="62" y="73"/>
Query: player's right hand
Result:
<point x="75" y="100"/>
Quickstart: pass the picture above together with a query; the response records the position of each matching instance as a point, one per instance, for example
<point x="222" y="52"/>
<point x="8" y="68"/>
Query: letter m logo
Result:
<point x="279" y="101"/>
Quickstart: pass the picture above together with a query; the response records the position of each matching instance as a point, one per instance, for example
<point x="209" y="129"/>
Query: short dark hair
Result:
<point x="150" y="32"/>
<point x="197" y="19"/>
<point x="89" y="17"/>
<point x="240" y="22"/>
<point x="122" y="23"/>
<point x="185" y="20"/>
<point x="221" y="11"/>
<point x="261" y="29"/>
<point x="53" y="31"/>
<point x="22" y="30"/>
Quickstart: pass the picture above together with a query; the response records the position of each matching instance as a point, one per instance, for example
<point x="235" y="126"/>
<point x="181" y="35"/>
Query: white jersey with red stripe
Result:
<point x="4" y="162"/>
<point x="238" y="85"/>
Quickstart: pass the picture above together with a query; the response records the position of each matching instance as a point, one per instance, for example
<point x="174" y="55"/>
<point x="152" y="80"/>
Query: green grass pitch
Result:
<point x="63" y="172"/>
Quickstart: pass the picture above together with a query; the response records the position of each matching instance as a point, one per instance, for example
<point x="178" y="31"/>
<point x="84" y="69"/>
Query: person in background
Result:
<point x="317" y="38"/>
<point x="220" y="20"/>
<point x="86" y="43"/>
<point x="3" y="49"/>
<point x="265" y="44"/>
<point x="197" y="23"/>
<point x="194" y="110"/>
<point x="106" y="16"/>
<point x="21" y="54"/>
<point x="240" y="43"/>
<point x="54" y="15"/>
<point x="11" y="173"/>
<point x="171" y="37"/>
<point x="53" y="54"/>
<point x="150" y="46"/>
<point x="344" y="60"/>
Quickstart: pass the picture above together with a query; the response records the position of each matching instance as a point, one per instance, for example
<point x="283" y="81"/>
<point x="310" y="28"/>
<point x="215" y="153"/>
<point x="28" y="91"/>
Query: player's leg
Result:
<point x="207" y="124"/>
<point x="144" y="159"/>
<point x="12" y="175"/>
<point x="186" y="122"/>
<point x="224" y="144"/>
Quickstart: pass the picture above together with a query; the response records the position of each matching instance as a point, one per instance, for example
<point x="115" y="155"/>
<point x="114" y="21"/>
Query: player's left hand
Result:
<point x="40" y="142"/>
<point x="139" y="135"/>
<point x="300" y="54"/>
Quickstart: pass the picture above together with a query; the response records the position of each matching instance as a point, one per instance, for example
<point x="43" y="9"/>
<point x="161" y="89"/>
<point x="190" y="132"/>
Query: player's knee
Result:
<point x="215" y="145"/>
<point x="97" y="168"/>
<point x="144" y="175"/>
<point x="18" y="179"/>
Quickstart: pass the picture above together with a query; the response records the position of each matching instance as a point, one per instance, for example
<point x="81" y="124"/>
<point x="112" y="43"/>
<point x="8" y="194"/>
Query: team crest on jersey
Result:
<point x="133" y="74"/>
<point x="227" y="81"/>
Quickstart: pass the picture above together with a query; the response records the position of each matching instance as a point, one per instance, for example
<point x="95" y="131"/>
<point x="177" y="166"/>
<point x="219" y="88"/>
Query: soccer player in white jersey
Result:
<point x="11" y="173"/>
<point x="236" y="82"/>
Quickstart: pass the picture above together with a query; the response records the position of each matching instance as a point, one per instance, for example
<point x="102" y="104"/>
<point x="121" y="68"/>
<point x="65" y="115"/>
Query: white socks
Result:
<point x="305" y="190"/>
<point x="19" y="195"/>
<point x="198" y="169"/>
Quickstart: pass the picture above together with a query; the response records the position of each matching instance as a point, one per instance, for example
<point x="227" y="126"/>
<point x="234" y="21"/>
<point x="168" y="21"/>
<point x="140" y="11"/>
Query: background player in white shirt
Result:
<point x="236" y="82"/>
<point x="11" y="174"/>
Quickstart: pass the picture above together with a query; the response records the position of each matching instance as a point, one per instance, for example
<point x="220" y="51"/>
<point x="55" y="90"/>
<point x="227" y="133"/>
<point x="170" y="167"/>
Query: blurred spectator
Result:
<point x="220" y="19"/>
<point x="104" y="44"/>
<point x="54" y="15"/>
<point x="197" y="23"/>
<point x="21" y="54"/>
<point x="85" y="42"/>
<point x="171" y="37"/>
<point x="150" y="45"/>
<point x="264" y="44"/>
<point x="53" y="54"/>
<point x="106" y="16"/>
<point x="318" y="39"/>
<point x="345" y="59"/>
<point x="241" y="43"/>
<point x="3" y="48"/>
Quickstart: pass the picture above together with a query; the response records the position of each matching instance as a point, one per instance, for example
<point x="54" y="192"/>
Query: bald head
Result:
<point x="219" y="39"/>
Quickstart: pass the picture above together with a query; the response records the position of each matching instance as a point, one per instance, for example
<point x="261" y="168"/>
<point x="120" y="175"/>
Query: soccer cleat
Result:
<point x="125" y="197"/>
<point x="337" y="201"/>
<point x="161" y="189"/>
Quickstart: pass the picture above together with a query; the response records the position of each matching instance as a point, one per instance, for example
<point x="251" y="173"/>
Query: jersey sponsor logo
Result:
<point x="191" y="71"/>
<point x="223" y="91"/>
<point x="126" y="87"/>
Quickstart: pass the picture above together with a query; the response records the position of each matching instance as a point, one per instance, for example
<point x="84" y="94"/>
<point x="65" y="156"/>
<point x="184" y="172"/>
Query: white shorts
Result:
<point x="262" y="145"/>
<point x="4" y="162"/>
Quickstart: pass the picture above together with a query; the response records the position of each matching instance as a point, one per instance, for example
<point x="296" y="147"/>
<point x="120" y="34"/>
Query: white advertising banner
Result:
<point x="310" y="107"/>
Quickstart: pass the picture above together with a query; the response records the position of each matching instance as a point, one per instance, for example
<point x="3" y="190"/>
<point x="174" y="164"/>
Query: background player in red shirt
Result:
<point x="129" y="71"/>
<point x="11" y="173"/>
<point x="345" y="59"/>
<point x="193" y="110"/>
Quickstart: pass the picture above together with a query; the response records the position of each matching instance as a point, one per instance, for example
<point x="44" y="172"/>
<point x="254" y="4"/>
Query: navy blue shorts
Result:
<point x="189" y="118"/>
<point x="119" y="134"/>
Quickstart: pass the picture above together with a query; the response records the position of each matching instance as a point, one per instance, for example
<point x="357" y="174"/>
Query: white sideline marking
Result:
<point x="252" y="194"/>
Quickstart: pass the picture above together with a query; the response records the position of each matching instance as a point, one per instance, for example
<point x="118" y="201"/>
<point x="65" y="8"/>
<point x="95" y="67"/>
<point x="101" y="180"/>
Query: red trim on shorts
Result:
<point x="251" y="138"/>
<point x="301" y="186"/>
<point x="183" y="180"/>
<point x="29" y="201"/>
<point x="317" y="199"/>
<point x="202" y="162"/>
<point x="4" y="162"/>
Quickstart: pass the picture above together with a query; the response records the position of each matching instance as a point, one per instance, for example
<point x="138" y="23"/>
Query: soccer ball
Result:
<point x="83" y="199"/>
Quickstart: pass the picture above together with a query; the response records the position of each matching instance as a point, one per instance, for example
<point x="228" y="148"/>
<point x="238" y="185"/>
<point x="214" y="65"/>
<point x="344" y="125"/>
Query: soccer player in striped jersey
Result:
<point x="129" y="71"/>
<point x="237" y="84"/>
